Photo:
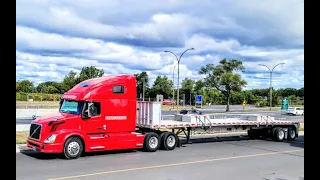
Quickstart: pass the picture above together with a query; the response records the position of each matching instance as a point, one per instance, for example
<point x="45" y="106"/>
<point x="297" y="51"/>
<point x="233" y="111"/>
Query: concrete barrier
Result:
<point x="28" y="113"/>
<point x="22" y="127"/>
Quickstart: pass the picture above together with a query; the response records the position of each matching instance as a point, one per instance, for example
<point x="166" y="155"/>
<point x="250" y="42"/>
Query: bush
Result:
<point x="261" y="103"/>
<point x="20" y="96"/>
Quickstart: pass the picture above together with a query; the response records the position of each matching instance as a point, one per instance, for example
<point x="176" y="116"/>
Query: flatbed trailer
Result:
<point x="257" y="125"/>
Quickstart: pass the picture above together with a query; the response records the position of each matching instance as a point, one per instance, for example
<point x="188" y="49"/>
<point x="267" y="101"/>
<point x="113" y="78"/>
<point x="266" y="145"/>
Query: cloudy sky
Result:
<point x="129" y="36"/>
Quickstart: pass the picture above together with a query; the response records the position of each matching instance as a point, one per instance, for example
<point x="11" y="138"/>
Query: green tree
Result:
<point x="187" y="89"/>
<point x="25" y="86"/>
<point x="288" y="92"/>
<point x="224" y="78"/>
<point x="51" y="89"/>
<point x="300" y="92"/>
<point x="89" y="73"/>
<point x="70" y="81"/>
<point x="142" y="78"/>
<point x="198" y="87"/>
<point x="162" y="85"/>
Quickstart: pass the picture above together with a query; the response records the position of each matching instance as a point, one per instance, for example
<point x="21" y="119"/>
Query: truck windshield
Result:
<point x="71" y="107"/>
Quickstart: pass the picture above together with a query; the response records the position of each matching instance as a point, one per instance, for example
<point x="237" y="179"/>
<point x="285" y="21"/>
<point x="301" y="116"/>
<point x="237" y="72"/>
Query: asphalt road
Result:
<point x="227" y="160"/>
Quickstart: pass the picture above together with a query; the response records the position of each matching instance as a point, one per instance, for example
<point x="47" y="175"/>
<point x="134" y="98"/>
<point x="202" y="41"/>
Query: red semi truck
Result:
<point x="103" y="114"/>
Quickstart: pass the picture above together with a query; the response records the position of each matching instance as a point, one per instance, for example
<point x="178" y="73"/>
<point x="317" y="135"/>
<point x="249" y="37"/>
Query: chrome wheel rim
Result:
<point x="73" y="148"/>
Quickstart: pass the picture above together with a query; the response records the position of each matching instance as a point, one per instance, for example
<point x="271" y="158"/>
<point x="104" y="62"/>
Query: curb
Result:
<point x="23" y="147"/>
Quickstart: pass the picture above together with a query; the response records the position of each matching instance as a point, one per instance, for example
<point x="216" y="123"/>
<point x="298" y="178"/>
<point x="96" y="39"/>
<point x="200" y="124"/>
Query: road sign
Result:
<point x="198" y="103"/>
<point x="284" y="104"/>
<point x="244" y="103"/>
<point x="198" y="99"/>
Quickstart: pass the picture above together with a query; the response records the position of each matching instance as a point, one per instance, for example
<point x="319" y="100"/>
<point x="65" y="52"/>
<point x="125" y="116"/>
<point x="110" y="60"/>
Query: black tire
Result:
<point x="272" y="133"/>
<point x="161" y="141"/>
<point x="252" y="134"/>
<point x="73" y="148"/>
<point x="151" y="142"/>
<point x="291" y="133"/>
<point x="169" y="140"/>
<point x="279" y="134"/>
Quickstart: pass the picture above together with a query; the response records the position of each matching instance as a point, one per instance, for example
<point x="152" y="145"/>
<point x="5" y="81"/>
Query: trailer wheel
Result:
<point x="291" y="133"/>
<point x="169" y="140"/>
<point x="151" y="142"/>
<point x="252" y="134"/>
<point x="279" y="134"/>
<point x="73" y="148"/>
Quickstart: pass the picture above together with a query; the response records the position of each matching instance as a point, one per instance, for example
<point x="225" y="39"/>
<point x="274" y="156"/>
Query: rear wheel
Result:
<point x="169" y="140"/>
<point x="291" y="133"/>
<point x="252" y="134"/>
<point x="151" y="142"/>
<point x="73" y="148"/>
<point x="278" y="134"/>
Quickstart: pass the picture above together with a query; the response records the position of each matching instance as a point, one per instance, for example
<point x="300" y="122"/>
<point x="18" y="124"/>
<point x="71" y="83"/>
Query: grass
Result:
<point x="301" y="127"/>
<point x="21" y="137"/>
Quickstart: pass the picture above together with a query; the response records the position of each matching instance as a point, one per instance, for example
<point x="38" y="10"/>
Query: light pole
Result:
<point x="178" y="59"/>
<point x="271" y="71"/>
<point x="143" y="81"/>
<point x="173" y="86"/>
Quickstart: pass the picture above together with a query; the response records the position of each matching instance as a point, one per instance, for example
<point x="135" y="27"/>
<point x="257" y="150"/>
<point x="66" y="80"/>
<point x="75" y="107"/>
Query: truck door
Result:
<point x="94" y="127"/>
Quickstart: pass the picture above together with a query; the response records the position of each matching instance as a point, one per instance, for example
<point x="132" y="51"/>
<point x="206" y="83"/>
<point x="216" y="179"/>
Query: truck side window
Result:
<point x="96" y="109"/>
<point x="118" y="89"/>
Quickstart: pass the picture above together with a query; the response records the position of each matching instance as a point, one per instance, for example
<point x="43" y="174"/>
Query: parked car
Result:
<point x="167" y="102"/>
<point x="192" y="111"/>
<point x="295" y="111"/>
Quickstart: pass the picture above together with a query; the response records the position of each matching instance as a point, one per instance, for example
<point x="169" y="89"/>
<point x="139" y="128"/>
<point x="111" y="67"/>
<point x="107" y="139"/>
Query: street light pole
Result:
<point x="173" y="87"/>
<point x="271" y="71"/>
<point x="143" y="88"/>
<point x="178" y="59"/>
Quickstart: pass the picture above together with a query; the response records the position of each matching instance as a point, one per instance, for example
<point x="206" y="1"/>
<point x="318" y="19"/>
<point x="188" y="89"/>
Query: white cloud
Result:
<point x="125" y="37"/>
<point x="107" y="52"/>
<point x="205" y="43"/>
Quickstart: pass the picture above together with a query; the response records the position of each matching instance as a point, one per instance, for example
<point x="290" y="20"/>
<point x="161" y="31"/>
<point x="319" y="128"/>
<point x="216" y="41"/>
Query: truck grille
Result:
<point x="35" y="130"/>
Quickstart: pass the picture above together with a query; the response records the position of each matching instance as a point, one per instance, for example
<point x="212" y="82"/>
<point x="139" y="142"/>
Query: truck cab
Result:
<point x="96" y="115"/>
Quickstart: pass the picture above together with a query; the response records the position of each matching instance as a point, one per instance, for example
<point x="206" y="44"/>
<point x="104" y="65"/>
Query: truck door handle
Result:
<point x="99" y="128"/>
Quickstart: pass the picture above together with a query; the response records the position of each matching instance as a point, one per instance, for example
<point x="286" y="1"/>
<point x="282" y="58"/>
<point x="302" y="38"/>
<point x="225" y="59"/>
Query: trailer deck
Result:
<point x="149" y="116"/>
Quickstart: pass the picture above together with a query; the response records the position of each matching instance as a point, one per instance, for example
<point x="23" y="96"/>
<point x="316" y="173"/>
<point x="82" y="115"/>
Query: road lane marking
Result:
<point x="175" y="164"/>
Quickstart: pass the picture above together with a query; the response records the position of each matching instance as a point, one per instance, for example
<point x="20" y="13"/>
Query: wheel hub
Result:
<point x="281" y="134"/>
<point x="73" y="148"/>
<point x="153" y="142"/>
<point x="292" y="134"/>
<point x="171" y="141"/>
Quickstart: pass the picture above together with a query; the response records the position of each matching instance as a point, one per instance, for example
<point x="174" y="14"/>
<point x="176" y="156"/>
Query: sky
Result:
<point x="54" y="37"/>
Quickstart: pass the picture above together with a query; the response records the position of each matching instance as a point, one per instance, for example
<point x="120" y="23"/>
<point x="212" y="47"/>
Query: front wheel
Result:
<point x="73" y="148"/>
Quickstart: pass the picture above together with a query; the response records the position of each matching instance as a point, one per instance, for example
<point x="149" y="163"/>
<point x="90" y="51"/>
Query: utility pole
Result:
<point x="173" y="87"/>
<point x="143" y="81"/>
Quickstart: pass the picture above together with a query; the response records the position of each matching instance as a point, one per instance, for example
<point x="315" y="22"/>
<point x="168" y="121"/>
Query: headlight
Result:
<point x="50" y="139"/>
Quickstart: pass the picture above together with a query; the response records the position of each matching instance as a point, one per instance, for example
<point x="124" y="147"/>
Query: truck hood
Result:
<point x="54" y="117"/>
